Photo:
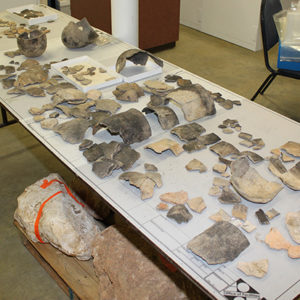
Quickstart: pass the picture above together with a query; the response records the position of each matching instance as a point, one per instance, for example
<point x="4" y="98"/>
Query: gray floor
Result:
<point x="23" y="159"/>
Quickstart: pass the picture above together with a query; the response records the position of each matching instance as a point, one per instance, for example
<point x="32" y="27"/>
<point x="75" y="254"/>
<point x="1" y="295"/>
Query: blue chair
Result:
<point x="270" y="39"/>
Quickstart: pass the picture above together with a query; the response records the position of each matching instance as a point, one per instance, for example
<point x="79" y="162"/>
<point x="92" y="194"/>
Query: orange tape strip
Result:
<point x="47" y="183"/>
<point x="39" y="215"/>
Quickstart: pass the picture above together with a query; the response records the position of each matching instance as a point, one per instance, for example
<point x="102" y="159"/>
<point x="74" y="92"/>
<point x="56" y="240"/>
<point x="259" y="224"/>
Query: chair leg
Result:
<point x="268" y="84"/>
<point x="5" y="122"/>
<point x="4" y="115"/>
<point x="262" y="86"/>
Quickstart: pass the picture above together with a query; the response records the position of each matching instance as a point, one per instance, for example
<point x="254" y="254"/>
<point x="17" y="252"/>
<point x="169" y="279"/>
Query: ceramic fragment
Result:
<point x="286" y="158"/>
<point x="140" y="271"/>
<point x="36" y="111"/>
<point x="104" y="167"/>
<point x="16" y="91"/>
<point x="292" y="148"/>
<point x="12" y="54"/>
<point x="227" y="104"/>
<point x="65" y="224"/>
<point x="224" y="149"/>
<point x="292" y="220"/>
<point x="49" y="123"/>
<point x="127" y="157"/>
<point x="111" y="156"/>
<point x="8" y="83"/>
<point x="220" y="243"/>
<point x="275" y="240"/>
<point x="259" y="143"/>
<point x="258" y="268"/>
<point x="28" y="63"/>
<point x="248" y="226"/>
<point x="38" y="118"/>
<point x="272" y="213"/>
<point x="94" y="94"/>
<point x="193" y="146"/>
<point x="245" y="136"/>
<point x="219" y="168"/>
<point x="179" y="213"/>
<point x="72" y="131"/>
<point x="227" y="130"/>
<point x="156" y="100"/>
<point x="290" y="178"/>
<point x="237" y="102"/>
<point x="136" y="56"/>
<point x="221" y="182"/>
<point x="33" y="43"/>
<point x="150" y="167"/>
<point x="107" y="105"/>
<point x="32" y="76"/>
<point x="54" y="114"/>
<point x="225" y="161"/>
<point x="162" y="206"/>
<point x="240" y="211"/>
<point x="9" y="69"/>
<point x="131" y="125"/>
<point x="180" y="197"/>
<point x="250" y="184"/>
<point x="195" y="102"/>
<point x="225" y="174"/>
<point x="158" y="86"/>
<point x="97" y="118"/>
<point x="142" y="181"/>
<point x="52" y="89"/>
<point x="246" y="143"/>
<point x="165" y="144"/>
<point x="172" y="78"/>
<point x="94" y="152"/>
<point x="70" y="95"/>
<point x="294" y="251"/>
<point x="254" y="157"/>
<point x="184" y="82"/>
<point x="86" y="144"/>
<point x="196" y="204"/>
<point x="188" y="132"/>
<point x="201" y="142"/>
<point x="276" y="152"/>
<point x="196" y="165"/>
<point x="35" y="92"/>
<point x="78" y="35"/>
<point x="128" y="92"/>
<point x="6" y="76"/>
<point x="221" y="215"/>
<point x="215" y="191"/>
<point x="229" y="197"/>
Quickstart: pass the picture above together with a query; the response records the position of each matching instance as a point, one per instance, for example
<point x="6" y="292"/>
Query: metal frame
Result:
<point x="267" y="45"/>
<point x="5" y="121"/>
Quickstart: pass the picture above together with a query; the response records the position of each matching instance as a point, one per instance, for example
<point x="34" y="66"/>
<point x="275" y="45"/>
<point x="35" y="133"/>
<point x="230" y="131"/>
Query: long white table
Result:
<point x="283" y="278"/>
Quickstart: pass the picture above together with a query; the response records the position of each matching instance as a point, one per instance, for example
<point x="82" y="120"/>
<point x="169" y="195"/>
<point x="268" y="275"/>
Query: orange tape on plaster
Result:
<point x="39" y="215"/>
<point x="47" y="183"/>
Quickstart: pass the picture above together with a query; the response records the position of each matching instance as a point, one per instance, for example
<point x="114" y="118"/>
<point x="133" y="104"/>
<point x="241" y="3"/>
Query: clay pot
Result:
<point x="78" y="35"/>
<point x="32" y="44"/>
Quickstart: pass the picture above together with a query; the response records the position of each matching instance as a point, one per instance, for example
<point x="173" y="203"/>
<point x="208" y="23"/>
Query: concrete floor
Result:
<point x="24" y="160"/>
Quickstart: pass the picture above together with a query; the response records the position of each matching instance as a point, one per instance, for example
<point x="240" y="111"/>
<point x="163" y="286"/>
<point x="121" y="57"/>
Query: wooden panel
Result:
<point x="158" y="22"/>
<point x="67" y="271"/>
<point x="98" y="12"/>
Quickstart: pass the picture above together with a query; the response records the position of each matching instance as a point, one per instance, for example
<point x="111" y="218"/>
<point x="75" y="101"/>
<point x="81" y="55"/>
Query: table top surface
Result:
<point x="219" y="281"/>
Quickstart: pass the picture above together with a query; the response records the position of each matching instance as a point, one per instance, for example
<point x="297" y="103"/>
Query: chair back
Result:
<point x="268" y="28"/>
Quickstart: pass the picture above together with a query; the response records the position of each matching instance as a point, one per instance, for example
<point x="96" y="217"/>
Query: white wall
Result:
<point x="5" y="4"/>
<point x="236" y="21"/>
